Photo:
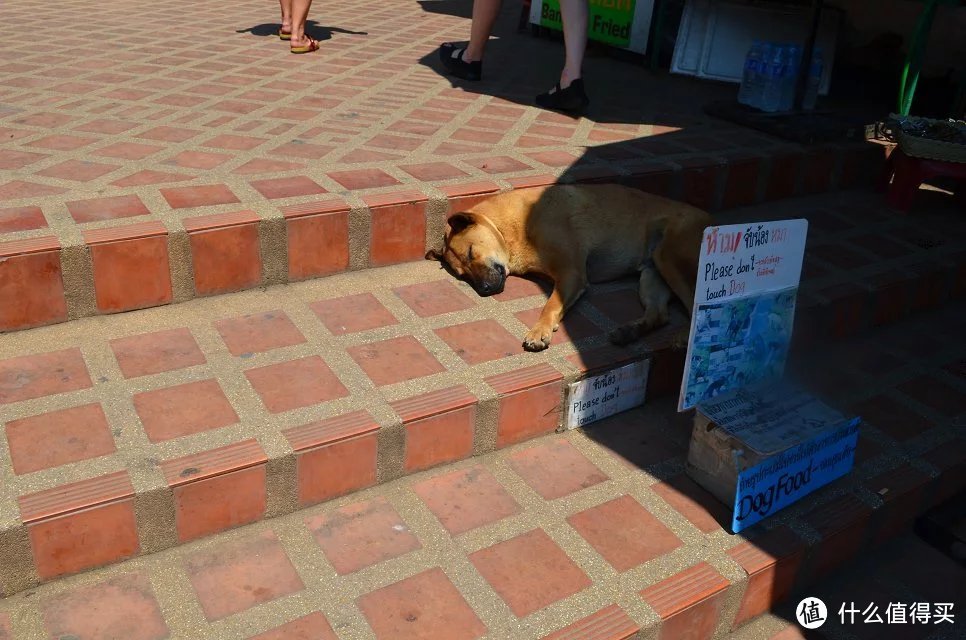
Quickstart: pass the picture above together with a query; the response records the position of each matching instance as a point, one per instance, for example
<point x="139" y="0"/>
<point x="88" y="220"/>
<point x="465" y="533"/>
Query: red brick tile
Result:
<point x="301" y="150"/>
<point x="237" y="575"/>
<point x="697" y="505"/>
<point x="935" y="394"/>
<point x="397" y="232"/>
<point x="441" y="438"/>
<point x="128" y="150"/>
<point x="169" y="134"/>
<point x="62" y="142"/>
<point x="234" y="142"/>
<point x="901" y="491"/>
<point x="156" y="352"/>
<point x="226" y="258"/>
<point x="529" y="572"/>
<point x="363" y="179"/>
<point x="218" y="489"/>
<point x="77" y="170"/>
<point x="11" y="160"/>
<point x="45" y="374"/>
<point x="688" y="602"/>
<point x="818" y="170"/>
<point x="429" y="299"/>
<point x="262" y="165"/>
<point x="21" y="219"/>
<point x="131" y="269"/>
<point x="741" y="185"/>
<point x="198" y="160"/>
<point x="361" y="535"/>
<point x="842" y="523"/>
<point x="334" y="456"/>
<point x="574" y="326"/>
<point x="516" y="288"/>
<point x="30" y="273"/>
<point x="895" y="419"/>
<point x="81" y="525"/>
<point x="466" y="499"/>
<point x="311" y="627"/>
<point x="185" y="409"/>
<point x="554" y="158"/>
<point x="258" y="332"/>
<point x="652" y="178"/>
<point x="624" y="533"/>
<point x="555" y="468"/>
<point x="421" y="607"/>
<point x="123" y="606"/>
<point x="529" y="403"/>
<point x="274" y="188"/>
<point x="610" y="623"/>
<point x="111" y="208"/>
<point x="352" y="314"/>
<point x="783" y="177"/>
<point x="149" y="177"/>
<point x="292" y="385"/>
<point x="59" y="437"/>
<point x="5" y="632"/>
<point x="198" y="196"/>
<point x="318" y="242"/>
<point x="525" y="182"/>
<point x="480" y="341"/>
<point x="771" y="562"/>
<point x="395" y="360"/>
<point x="431" y="171"/>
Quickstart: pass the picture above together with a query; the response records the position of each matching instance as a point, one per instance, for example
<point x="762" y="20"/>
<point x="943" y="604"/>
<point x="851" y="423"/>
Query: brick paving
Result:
<point x="195" y="169"/>
<point x="571" y="535"/>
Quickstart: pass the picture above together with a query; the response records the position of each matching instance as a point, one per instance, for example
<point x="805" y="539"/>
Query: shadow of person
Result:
<point x="313" y="29"/>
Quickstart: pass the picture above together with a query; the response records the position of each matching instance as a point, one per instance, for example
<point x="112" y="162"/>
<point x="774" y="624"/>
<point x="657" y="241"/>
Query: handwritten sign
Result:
<point x="793" y="474"/>
<point x="595" y="398"/>
<point x="744" y="306"/>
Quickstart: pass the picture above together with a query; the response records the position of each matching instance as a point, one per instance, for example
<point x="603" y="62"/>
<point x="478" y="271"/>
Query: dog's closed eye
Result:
<point x="469" y="254"/>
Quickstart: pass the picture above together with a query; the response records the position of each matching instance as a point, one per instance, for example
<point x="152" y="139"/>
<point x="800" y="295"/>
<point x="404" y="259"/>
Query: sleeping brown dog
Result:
<point x="575" y="235"/>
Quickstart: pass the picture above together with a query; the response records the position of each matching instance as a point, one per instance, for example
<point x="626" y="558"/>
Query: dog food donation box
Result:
<point x="762" y="447"/>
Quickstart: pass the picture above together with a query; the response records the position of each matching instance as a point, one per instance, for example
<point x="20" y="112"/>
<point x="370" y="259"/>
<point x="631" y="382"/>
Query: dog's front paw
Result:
<point x="537" y="338"/>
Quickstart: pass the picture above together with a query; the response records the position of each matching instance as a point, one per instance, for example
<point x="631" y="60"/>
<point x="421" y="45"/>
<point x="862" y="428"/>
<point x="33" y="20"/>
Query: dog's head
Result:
<point x="475" y="250"/>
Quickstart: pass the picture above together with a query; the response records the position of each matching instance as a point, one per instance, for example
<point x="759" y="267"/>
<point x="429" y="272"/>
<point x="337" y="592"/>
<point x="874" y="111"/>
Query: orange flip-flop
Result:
<point x="283" y="35"/>
<point x="313" y="45"/>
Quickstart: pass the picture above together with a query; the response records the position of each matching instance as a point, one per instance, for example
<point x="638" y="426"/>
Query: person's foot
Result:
<point x="285" y="30"/>
<point x="453" y="61"/>
<point x="572" y="99"/>
<point x="305" y="45"/>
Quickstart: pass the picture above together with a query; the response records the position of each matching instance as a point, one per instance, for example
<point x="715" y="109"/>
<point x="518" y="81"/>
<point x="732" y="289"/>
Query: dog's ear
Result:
<point x="459" y="221"/>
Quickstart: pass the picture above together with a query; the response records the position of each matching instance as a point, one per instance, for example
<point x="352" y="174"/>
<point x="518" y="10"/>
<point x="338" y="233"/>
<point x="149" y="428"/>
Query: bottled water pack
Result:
<point x="770" y="73"/>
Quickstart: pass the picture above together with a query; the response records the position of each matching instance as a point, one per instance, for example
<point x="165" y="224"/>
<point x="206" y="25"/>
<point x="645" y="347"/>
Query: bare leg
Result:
<point x="574" y="15"/>
<point x="286" y="15"/>
<point x="300" y="13"/>
<point x="484" y="16"/>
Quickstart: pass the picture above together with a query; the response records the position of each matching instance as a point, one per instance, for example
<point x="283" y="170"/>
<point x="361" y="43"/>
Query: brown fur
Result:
<point x="575" y="235"/>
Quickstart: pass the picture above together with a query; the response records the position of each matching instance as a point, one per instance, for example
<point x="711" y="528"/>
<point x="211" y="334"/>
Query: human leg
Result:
<point x="285" y="32"/>
<point x="466" y="62"/>
<point x="568" y="95"/>
<point x="301" y="43"/>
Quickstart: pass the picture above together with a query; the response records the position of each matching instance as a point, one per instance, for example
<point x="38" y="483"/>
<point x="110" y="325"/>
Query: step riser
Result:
<point x="239" y="250"/>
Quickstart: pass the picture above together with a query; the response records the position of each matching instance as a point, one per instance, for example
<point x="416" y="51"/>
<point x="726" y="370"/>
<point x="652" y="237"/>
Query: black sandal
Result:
<point x="573" y="99"/>
<point x="456" y="65"/>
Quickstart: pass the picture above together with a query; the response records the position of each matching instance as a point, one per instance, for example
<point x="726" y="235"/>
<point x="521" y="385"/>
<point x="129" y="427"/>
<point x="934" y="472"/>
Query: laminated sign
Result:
<point x="744" y="307"/>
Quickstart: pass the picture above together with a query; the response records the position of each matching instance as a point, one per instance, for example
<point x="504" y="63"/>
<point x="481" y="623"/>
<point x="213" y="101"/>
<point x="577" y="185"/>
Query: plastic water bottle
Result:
<point x="761" y="78"/>
<point x="750" y="77"/>
<point x="793" y="58"/>
<point x="814" y="80"/>
<point x="771" y="90"/>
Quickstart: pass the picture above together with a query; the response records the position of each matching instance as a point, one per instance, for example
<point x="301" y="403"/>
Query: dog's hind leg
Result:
<point x="655" y="296"/>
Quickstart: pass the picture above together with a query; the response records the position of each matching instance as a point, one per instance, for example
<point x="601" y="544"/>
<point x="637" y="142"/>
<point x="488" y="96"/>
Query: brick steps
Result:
<point x="128" y="266"/>
<point x="189" y="419"/>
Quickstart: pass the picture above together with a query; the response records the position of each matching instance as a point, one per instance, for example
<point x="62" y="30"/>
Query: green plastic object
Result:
<point x="917" y="46"/>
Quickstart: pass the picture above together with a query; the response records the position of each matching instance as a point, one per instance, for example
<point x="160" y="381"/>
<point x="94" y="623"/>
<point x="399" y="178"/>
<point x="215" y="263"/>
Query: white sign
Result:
<point x="744" y="306"/>
<point x="593" y="399"/>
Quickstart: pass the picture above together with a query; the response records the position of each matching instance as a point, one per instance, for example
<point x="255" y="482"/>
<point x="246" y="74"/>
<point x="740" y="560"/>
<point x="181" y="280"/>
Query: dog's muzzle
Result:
<point x="493" y="282"/>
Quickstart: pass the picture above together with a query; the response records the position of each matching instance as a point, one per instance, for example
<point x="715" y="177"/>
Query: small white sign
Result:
<point x="620" y="389"/>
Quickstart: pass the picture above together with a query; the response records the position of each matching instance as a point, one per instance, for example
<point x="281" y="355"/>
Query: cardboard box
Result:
<point x="763" y="447"/>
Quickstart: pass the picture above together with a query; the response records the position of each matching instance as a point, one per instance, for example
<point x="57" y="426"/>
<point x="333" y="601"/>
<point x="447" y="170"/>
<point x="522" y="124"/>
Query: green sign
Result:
<point x="609" y="20"/>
